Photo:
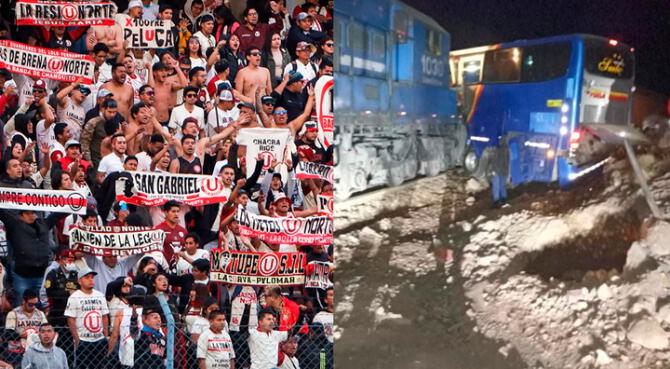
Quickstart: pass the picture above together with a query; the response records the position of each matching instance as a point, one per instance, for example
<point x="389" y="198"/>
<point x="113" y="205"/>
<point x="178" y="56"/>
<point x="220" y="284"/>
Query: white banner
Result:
<point x="40" y="62"/>
<point x="324" y="203"/>
<point x="152" y="189"/>
<point x="71" y="202"/>
<point x="306" y="169"/>
<point x="318" y="274"/>
<point x="148" y="34"/>
<point x="269" y="143"/>
<point x="295" y="231"/>
<point x="116" y="241"/>
<point x="61" y="13"/>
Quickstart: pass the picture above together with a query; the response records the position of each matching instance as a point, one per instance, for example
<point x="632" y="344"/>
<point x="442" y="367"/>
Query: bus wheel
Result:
<point x="471" y="162"/>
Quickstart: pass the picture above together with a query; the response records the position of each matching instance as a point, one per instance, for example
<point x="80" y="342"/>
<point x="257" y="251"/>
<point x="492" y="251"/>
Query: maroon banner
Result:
<point x="258" y="269"/>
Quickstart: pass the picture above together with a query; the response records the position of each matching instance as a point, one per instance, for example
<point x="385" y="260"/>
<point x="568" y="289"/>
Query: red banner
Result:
<point x="60" y="13"/>
<point x="257" y="268"/>
<point x="284" y="230"/>
<point x="318" y="275"/>
<point x="40" y="62"/>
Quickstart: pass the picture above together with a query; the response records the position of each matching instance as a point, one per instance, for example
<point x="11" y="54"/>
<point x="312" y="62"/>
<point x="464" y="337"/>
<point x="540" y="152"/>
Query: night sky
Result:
<point x="643" y="24"/>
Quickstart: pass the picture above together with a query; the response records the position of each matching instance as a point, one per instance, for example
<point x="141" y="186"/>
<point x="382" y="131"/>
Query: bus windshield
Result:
<point x="606" y="60"/>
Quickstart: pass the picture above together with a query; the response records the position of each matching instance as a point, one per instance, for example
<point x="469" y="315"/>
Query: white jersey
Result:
<point x="219" y="118"/>
<point x="216" y="349"/>
<point x="179" y="113"/>
<point x="19" y="321"/>
<point x="308" y="70"/>
<point x="326" y="318"/>
<point x="184" y="267"/>
<point x="74" y="116"/>
<point x="135" y="82"/>
<point x="88" y="310"/>
<point x="126" y="341"/>
<point x="264" y="348"/>
<point x="111" y="163"/>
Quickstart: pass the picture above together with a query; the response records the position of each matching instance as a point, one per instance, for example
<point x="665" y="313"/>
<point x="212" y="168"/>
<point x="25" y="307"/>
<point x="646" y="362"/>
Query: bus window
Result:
<point x="433" y="42"/>
<point x="501" y="66"/>
<point x="401" y="27"/>
<point x="336" y="56"/>
<point x="606" y="60"/>
<point x="378" y="46"/>
<point x="356" y="36"/>
<point x="545" y="62"/>
<point x="472" y="72"/>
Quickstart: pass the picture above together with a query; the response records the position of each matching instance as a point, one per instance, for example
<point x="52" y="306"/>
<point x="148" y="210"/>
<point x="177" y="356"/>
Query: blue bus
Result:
<point x="548" y="98"/>
<point x="397" y="117"/>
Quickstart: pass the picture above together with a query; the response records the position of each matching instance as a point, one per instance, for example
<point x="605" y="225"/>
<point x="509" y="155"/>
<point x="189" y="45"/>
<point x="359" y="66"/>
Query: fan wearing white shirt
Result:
<point x="186" y="110"/>
<point x="113" y="162"/>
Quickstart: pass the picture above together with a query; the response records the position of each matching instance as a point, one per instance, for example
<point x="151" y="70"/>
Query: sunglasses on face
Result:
<point x="32" y="304"/>
<point x="190" y="95"/>
<point x="255" y="53"/>
<point x="280" y="112"/>
<point x="85" y="91"/>
<point x="38" y="91"/>
<point x="329" y="44"/>
<point x="149" y="93"/>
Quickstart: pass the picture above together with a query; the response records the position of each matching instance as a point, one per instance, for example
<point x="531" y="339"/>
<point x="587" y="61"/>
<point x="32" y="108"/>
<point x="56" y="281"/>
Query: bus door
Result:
<point x="469" y="71"/>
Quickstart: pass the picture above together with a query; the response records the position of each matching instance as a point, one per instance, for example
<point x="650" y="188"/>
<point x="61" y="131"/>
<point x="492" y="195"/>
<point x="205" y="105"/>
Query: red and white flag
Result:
<point x="283" y="230"/>
<point x="40" y="62"/>
<point x="62" y="13"/>
<point x="152" y="189"/>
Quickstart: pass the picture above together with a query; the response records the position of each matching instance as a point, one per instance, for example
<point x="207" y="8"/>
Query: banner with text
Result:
<point x="257" y="268"/>
<point x="71" y="202"/>
<point x="152" y="189"/>
<point x="116" y="240"/>
<point x="60" y="13"/>
<point x="293" y="231"/>
<point x="318" y="274"/>
<point x="306" y="169"/>
<point x="269" y="143"/>
<point x="324" y="204"/>
<point x="40" y="62"/>
<point x="148" y="34"/>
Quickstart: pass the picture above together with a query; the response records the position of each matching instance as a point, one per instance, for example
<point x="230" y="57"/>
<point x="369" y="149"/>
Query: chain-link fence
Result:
<point x="126" y="348"/>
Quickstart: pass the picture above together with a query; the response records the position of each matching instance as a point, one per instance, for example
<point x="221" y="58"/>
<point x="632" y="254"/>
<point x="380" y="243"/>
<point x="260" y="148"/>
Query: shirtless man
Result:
<point x="165" y="90"/>
<point x="123" y="93"/>
<point x="112" y="36"/>
<point x="253" y="77"/>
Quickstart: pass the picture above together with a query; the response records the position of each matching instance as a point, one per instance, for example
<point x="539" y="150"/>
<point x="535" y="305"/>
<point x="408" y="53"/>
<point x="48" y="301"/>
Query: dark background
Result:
<point x="642" y="24"/>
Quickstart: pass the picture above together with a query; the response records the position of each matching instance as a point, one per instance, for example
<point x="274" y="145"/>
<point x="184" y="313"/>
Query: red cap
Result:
<point x="65" y="253"/>
<point x="40" y="84"/>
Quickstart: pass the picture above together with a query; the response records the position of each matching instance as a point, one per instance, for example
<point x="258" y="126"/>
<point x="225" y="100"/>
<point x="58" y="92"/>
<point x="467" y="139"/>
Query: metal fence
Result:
<point x="312" y="351"/>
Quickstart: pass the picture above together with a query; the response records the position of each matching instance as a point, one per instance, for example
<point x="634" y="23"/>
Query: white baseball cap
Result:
<point x="226" y="95"/>
<point x="135" y="3"/>
<point x="9" y="83"/>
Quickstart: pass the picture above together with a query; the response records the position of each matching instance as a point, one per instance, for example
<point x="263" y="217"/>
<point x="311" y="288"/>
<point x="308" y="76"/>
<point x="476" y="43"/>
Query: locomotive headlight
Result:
<point x="565" y="108"/>
<point x="564" y="130"/>
<point x="564" y="119"/>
